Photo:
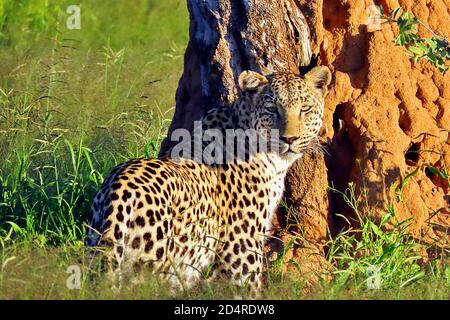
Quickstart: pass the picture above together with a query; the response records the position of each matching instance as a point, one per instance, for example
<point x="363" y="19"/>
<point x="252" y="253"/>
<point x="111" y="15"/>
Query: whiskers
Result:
<point x="316" y="148"/>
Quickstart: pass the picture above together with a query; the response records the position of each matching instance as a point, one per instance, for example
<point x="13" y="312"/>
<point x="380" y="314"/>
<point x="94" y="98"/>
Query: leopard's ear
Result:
<point x="251" y="81"/>
<point x="319" y="78"/>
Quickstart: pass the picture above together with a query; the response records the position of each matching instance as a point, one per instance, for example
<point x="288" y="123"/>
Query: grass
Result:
<point x="74" y="103"/>
<point x="384" y="256"/>
<point x="363" y="264"/>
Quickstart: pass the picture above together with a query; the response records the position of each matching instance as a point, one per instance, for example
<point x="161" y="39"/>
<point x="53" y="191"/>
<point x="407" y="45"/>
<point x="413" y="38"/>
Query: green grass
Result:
<point x="30" y="270"/>
<point x="74" y="103"/>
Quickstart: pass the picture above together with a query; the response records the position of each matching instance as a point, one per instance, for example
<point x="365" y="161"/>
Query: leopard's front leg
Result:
<point x="241" y="261"/>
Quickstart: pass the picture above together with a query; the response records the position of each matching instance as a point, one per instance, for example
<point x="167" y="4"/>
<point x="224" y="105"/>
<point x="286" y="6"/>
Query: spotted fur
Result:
<point x="181" y="217"/>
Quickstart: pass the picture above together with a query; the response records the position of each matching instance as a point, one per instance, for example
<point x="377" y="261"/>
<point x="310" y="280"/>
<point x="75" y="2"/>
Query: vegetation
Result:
<point x="434" y="49"/>
<point x="74" y="103"/>
<point x="373" y="261"/>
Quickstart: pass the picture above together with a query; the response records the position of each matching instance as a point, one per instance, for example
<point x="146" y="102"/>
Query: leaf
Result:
<point x="417" y="50"/>
<point x="396" y="12"/>
<point x="279" y="261"/>
<point x="386" y="217"/>
<point x="409" y="176"/>
<point x="413" y="38"/>
<point x="409" y="17"/>
<point x="377" y="230"/>
<point x="400" y="41"/>
<point x="417" y="59"/>
<point x="404" y="182"/>
<point x="431" y="42"/>
<point x="432" y="57"/>
<point x="436" y="171"/>
<point x="15" y="227"/>
<point x="7" y="260"/>
<point x="416" y="277"/>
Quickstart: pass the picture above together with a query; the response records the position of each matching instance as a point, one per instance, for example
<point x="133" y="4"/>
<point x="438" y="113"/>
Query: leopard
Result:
<point x="190" y="221"/>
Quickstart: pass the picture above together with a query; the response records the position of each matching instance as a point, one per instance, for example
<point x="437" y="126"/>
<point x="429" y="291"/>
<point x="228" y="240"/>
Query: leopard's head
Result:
<point x="290" y="104"/>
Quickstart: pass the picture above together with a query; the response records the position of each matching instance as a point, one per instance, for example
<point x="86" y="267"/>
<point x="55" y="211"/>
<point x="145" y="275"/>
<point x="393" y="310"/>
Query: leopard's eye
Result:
<point x="272" y="109"/>
<point x="306" y="108"/>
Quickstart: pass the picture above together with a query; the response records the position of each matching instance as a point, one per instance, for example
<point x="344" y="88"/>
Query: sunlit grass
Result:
<point x="74" y="103"/>
<point x="370" y="262"/>
<point x="31" y="270"/>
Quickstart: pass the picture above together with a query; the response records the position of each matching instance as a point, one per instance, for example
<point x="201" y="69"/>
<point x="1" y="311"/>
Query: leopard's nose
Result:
<point x="287" y="140"/>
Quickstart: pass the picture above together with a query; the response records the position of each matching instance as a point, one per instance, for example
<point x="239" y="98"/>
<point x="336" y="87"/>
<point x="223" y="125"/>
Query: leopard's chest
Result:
<point x="263" y="185"/>
<point x="276" y="187"/>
